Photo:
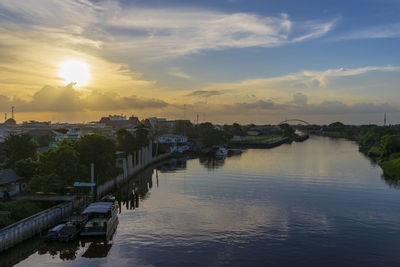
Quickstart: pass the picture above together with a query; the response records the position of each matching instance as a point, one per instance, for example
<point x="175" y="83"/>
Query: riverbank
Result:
<point x="371" y="143"/>
<point x="271" y="143"/>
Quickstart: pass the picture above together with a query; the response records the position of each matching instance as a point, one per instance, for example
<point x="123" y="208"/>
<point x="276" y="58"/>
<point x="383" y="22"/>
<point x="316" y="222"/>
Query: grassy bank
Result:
<point x="21" y="209"/>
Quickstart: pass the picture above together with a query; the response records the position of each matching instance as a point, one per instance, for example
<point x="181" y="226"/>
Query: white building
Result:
<point x="175" y="143"/>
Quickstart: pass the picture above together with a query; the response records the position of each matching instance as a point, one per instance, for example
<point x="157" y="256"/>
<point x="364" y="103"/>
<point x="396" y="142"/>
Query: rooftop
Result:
<point x="8" y="176"/>
<point x="98" y="207"/>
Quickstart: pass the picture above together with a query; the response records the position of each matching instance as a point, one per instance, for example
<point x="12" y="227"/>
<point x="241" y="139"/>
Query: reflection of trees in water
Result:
<point x="173" y="165"/>
<point x="392" y="182"/>
<point x="66" y="251"/>
<point x="212" y="162"/>
<point x="97" y="249"/>
<point x="137" y="188"/>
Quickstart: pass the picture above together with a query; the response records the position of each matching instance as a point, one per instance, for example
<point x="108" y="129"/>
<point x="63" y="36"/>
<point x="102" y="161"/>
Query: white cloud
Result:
<point x="375" y="32"/>
<point x="183" y="31"/>
<point x="180" y="74"/>
<point x="158" y="32"/>
<point x="303" y="79"/>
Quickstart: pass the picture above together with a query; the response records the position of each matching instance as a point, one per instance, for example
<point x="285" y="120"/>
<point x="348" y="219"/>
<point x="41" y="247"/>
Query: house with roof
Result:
<point x="10" y="183"/>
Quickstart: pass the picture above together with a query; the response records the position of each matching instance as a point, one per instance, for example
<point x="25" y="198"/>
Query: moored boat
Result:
<point x="221" y="152"/>
<point x="102" y="217"/>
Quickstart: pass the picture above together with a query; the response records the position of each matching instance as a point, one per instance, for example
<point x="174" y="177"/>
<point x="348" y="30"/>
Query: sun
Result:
<point x="74" y="71"/>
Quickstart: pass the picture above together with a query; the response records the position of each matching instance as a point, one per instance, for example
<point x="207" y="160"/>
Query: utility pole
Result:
<point x="92" y="178"/>
<point x="184" y="118"/>
<point x="384" y="120"/>
<point x="197" y="121"/>
<point x="12" y="112"/>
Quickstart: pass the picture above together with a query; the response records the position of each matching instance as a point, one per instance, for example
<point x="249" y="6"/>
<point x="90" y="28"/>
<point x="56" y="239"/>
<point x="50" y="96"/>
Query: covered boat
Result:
<point x="102" y="218"/>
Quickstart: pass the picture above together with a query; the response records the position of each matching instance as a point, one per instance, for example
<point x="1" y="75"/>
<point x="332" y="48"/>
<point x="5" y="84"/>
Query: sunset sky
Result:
<point x="243" y="61"/>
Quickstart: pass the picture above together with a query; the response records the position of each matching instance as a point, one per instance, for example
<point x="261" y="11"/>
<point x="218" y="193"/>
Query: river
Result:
<point x="315" y="203"/>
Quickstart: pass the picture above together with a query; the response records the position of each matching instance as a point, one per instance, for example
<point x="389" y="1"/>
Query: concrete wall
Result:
<point x="131" y="165"/>
<point x="28" y="227"/>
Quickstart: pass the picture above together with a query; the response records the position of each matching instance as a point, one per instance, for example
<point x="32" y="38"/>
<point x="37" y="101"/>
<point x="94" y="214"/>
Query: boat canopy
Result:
<point x="98" y="207"/>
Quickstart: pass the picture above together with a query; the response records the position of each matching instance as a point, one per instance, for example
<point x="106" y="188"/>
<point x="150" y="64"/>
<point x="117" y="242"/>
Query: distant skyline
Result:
<point x="229" y="61"/>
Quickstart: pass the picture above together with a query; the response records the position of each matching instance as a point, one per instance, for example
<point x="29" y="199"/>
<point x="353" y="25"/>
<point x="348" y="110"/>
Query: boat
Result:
<point x="221" y="152"/>
<point x="53" y="233"/>
<point x="102" y="218"/>
<point x="69" y="232"/>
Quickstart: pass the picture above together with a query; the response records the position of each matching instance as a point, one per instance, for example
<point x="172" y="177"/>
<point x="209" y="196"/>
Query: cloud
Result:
<point x="300" y="99"/>
<point x="375" y="32"/>
<point x="206" y="94"/>
<point x="182" y="31"/>
<point x="113" y="101"/>
<point x="337" y="107"/>
<point x="303" y="79"/>
<point x="68" y="99"/>
<point x="180" y="74"/>
<point x="156" y="32"/>
<point x="258" y="105"/>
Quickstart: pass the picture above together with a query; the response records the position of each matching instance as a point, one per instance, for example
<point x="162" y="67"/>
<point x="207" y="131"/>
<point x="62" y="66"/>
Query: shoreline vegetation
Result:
<point x="380" y="143"/>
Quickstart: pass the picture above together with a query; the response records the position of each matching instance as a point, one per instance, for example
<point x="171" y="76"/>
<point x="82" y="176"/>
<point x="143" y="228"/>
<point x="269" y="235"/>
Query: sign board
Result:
<point x="79" y="184"/>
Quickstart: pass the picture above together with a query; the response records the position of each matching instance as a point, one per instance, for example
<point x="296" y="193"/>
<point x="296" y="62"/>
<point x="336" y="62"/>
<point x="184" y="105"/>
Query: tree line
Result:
<point x="55" y="169"/>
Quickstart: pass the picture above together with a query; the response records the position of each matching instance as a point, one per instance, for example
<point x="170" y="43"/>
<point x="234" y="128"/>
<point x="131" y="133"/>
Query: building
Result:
<point x="120" y="121"/>
<point x="71" y="134"/>
<point x="10" y="183"/>
<point x="174" y="142"/>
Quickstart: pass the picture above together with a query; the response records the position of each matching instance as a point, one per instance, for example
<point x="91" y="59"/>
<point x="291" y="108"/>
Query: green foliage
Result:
<point x="21" y="209"/>
<point x="374" y="134"/>
<point x="48" y="183"/>
<point x="142" y="137"/>
<point x="18" y="147"/>
<point x="126" y="141"/>
<point x="390" y="144"/>
<point x="336" y="127"/>
<point x="26" y="168"/>
<point x="63" y="162"/>
<point x="209" y="135"/>
<point x="44" y="140"/>
<point x="185" y="128"/>
<point x="287" y="129"/>
<point x="234" y="129"/>
<point x="391" y="168"/>
<point x="99" y="150"/>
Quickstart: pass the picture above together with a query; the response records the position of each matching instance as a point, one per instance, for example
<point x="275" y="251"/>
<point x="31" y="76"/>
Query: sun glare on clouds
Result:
<point x="75" y="71"/>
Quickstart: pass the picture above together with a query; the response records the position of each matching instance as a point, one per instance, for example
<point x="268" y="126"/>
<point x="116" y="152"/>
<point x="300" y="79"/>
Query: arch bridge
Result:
<point x="294" y="120"/>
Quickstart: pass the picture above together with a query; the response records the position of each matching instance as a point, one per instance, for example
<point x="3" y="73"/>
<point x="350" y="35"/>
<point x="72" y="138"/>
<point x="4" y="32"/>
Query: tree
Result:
<point x="101" y="151"/>
<point x="209" y="135"/>
<point x="142" y="137"/>
<point x="390" y="144"/>
<point x="46" y="183"/>
<point x="26" y="168"/>
<point x="19" y="147"/>
<point x="336" y="127"/>
<point x="287" y="129"/>
<point x="126" y="141"/>
<point x="44" y="140"/>
<point x="64" y="162"/>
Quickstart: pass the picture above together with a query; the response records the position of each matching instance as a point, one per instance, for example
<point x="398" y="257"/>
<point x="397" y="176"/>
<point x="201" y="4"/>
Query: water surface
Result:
<point x="315" y="203"/>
